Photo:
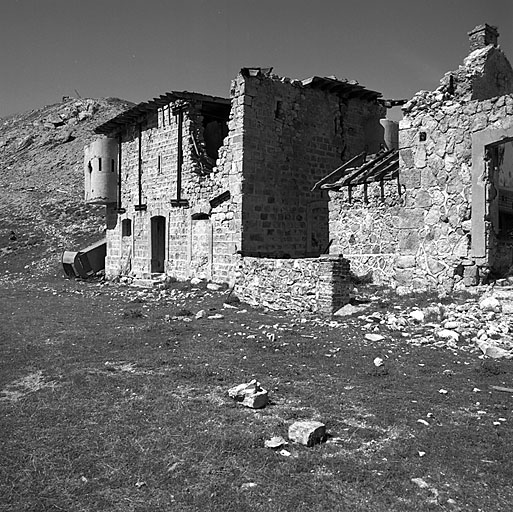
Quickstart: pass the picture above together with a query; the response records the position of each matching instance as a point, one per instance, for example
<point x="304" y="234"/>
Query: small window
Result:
<point x="126" y="227"/>
<point x="278" y="112"/>
<point x="89" y="167"/>
<point x="159" y="164"/>
<point x="422" y="136"/>
<point x="99" y="165"/>
<point x="112" y="165"/>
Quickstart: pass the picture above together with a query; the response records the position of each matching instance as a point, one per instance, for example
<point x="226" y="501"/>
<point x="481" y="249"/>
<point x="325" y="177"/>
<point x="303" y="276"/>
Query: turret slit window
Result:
<point x="99" y="165"/>
<point x="112" y="165"/>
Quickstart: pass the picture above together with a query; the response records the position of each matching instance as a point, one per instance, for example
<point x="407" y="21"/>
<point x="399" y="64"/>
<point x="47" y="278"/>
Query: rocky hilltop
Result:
<point x="42" y="210"/>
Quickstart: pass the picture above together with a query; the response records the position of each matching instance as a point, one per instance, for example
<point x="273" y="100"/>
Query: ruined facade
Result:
<point x="209" y="187"/>
<point x="280" y="188"/>
<point x="448" y="217"/>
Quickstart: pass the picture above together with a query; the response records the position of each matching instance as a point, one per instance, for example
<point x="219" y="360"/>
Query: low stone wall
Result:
<point x="317" y="285"/>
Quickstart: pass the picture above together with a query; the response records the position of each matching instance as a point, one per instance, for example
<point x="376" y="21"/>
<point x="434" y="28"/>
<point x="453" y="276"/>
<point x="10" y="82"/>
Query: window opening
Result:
<point x="126" y="227"/>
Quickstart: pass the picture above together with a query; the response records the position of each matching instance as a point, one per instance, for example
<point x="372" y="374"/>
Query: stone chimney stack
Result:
<point x="482" y="36"/>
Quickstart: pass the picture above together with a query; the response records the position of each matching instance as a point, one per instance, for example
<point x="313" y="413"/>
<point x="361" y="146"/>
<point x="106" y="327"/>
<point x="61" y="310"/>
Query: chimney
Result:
<point x="482" y="36"/>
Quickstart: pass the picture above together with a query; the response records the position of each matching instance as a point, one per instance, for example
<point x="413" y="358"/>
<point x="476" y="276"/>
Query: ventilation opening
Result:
<point x="278" y="111"/>
<point x="112" y="165"/>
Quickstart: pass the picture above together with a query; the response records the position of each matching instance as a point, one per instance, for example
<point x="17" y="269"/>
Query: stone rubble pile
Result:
<point x="480" y="324"/>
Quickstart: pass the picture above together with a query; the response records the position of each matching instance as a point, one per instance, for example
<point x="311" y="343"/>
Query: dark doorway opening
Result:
<point x="158" y="244"/>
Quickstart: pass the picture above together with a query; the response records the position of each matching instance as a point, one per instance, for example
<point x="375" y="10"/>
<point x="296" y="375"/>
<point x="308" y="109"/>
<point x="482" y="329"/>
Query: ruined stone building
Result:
<point x="200" y="186"/>
<point x="444" y="212"/>
<point x="279" y="188"/>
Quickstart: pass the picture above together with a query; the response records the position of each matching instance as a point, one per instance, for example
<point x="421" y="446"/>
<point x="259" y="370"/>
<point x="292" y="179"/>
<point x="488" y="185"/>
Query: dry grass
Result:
<point x="116" y="404"/>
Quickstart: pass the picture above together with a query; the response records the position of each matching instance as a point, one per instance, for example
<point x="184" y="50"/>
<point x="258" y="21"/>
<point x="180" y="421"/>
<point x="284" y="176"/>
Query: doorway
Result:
<point x="158" y="244"/>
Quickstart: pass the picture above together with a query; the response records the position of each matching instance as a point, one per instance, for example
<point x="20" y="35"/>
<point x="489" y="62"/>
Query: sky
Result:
<point x="139" y="49"/>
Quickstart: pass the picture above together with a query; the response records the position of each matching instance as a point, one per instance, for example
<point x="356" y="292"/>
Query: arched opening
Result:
<point x="158" y="244"/>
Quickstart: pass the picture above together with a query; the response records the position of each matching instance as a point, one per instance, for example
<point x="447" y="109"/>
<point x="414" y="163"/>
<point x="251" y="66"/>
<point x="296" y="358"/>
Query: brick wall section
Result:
<point x="293" y="136"/>
<point x="319" y="285"/>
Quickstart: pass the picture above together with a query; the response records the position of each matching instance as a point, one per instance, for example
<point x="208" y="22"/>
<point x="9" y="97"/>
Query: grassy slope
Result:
<point x="41" y="182"/>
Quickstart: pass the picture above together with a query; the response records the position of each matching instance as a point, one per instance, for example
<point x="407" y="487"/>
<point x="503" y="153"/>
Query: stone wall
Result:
<point x="318" y="285"/>
<point x="369" y="232"/>
<point x="293" y="136"/>
<point x="446" y="194"/>
<point x="210" y="197"/>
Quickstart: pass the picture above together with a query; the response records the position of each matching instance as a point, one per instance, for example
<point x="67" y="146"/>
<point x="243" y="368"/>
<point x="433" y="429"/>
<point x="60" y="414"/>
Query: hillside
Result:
<point x="41" y="183"/>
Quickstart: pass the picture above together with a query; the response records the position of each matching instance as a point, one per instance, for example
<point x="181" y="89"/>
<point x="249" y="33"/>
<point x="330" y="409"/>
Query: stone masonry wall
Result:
<point x="369" y="233"/>
<point x="311" y="284"/>
<point x="293" y="137"/>
<point x="436" y="173"/>
<point x="159" y="143"/>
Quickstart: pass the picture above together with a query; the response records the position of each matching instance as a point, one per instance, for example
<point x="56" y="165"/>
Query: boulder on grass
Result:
<point x="250" y="394"/>
<point x="307" y="432"/>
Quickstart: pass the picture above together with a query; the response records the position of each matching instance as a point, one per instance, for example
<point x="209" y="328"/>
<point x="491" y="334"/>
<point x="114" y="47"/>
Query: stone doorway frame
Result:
<point x="157" y="244"/>
<point x="481" y="142"/>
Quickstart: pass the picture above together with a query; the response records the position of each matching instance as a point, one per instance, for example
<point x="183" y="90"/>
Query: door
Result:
<point x="158" y="244"/>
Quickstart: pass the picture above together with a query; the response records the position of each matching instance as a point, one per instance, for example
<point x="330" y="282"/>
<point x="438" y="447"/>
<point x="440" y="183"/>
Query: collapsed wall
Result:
<point x="179" y="204"/>
<point x="449" y="220"/>
<point x="447" y="188"/>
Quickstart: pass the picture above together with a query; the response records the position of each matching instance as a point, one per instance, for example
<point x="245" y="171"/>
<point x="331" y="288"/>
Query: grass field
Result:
<point x="115" y="399"/>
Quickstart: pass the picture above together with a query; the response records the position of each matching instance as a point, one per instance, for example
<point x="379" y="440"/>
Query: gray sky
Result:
<point x="138" y="49"/>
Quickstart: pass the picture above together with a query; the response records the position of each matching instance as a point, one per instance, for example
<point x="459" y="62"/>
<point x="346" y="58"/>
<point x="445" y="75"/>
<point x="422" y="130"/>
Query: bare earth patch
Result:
<point x="25" y="385"/>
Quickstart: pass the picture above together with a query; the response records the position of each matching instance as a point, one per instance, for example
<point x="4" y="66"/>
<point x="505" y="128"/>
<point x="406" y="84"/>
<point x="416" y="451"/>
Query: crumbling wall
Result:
<point x="318" y="285"/>
<point x="368" y="231"/>
<point x="436" y="173"/>
<point x="293" y="136"/>
<point x="205" y="192"/>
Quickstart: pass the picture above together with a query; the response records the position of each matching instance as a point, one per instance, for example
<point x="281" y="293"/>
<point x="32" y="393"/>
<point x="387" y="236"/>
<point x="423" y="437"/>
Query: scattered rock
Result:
<point x="247" y="486"/>
<point x="217" y="316"/>
<point x="371" y="336"/>
<point x="494" y="351"/>
<point x="214" y="287"/>
<point x="490" y="304"/>
<point x="347" y="310"/>
<point x="307" y="432"/>
<point x="447" y="334"/>
<point x="250" y="394"/>
<point x="275" y="442"/>
<point x="417" y="315"/>
<point x="200" y="314"/>
<point x="195" y="281"/>
<point x="378" y="362"/>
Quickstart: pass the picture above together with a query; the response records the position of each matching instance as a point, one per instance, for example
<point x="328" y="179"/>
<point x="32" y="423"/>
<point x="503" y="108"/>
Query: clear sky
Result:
<point x="138" y="49"/>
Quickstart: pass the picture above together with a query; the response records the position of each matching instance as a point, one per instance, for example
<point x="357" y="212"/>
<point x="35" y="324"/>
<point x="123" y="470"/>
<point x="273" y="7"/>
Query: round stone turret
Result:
<point x="101" y="172"/>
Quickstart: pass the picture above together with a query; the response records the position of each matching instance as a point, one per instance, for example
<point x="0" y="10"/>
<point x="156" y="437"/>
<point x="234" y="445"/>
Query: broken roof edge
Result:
<point x="341" y="87"/>
<point x="143" y="108"/>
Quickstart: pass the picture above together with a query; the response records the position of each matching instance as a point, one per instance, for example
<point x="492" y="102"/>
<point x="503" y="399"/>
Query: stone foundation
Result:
<point x="317" y="285"/>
